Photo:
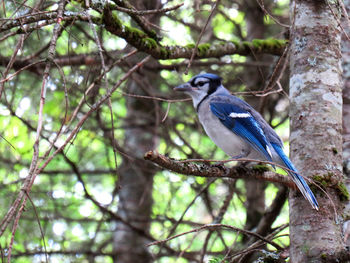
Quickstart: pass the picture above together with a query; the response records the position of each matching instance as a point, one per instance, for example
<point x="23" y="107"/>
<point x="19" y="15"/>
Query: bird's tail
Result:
<point x="298" y="180"/>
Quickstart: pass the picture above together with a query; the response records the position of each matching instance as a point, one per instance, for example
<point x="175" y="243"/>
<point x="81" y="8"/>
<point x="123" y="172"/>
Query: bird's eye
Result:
<point x="201" y="83"/>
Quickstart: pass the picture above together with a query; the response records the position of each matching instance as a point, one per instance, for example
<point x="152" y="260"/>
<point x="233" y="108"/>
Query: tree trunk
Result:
<point x="346" y="93"/>
<point x="316" y="130"/>
<point x="255" y="190"/>
<point x="136" y="176"/>
<point x="346" y="119"/>
<point x="136" y="182"/>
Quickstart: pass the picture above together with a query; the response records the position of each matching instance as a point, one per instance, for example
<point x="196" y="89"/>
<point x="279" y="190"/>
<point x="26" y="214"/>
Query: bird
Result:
<point x="237" y="128"/>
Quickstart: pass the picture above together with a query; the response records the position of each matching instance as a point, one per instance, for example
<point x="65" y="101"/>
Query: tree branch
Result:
<point x="206" y="170"/>
<point x="143" y="42"/>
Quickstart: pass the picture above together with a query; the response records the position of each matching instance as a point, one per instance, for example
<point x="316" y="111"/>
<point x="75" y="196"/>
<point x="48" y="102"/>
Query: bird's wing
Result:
<point x="242" y="123"/>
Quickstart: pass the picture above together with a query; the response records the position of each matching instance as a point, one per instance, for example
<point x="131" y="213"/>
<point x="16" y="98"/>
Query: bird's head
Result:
<point x="201" y="86"/>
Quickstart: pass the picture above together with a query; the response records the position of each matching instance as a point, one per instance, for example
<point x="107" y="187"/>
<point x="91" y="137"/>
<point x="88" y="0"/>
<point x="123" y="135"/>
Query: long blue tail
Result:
<point x="298" y="180"/>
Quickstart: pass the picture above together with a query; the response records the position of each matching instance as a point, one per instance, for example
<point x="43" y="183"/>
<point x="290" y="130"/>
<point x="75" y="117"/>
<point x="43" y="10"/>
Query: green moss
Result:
<point x="260" y="168"/>
<point x="326" y="181"/>
<point x="150" y="42"/>
<point x="335" y="151"/>
<point x="135" y="32"/>
<point x="164" y="52"/>
<point x="202" y="48"/>
<point x="344" y="194"/>
<point x="235" y="42"/>
<point x="247" y="44"/>
<point x="305" y="248"/>
<point x="153" y="34"/>
<point x="190" y="45"/>
<point x="117" y="22"/>
<point x="258" y="43"/>
<point x="269" y="43"/>
<point x="317" y="178"/>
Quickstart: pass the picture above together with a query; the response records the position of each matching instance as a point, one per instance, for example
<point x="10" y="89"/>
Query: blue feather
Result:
<point x="298" y="180"/>
<point x="247" y="128"/>
<point x="209" y="76"/>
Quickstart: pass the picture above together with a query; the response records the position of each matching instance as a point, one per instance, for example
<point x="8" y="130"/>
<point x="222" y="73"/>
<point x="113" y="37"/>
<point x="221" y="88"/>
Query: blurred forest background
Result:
<point x="86" y="91"/>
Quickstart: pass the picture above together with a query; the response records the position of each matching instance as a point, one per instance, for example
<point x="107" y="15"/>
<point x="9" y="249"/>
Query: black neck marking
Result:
<point x="199" y="104"/>
<point x="213" y="86"/>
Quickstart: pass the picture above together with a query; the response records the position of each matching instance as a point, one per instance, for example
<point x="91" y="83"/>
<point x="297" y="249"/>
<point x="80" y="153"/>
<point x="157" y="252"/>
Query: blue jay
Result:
<point x="239" y="130"/>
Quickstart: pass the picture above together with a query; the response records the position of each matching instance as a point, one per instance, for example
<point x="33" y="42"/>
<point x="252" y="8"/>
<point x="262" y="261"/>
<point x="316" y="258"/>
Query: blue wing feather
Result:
<point x="299" y="181"/>
<point x="247" y="128"/>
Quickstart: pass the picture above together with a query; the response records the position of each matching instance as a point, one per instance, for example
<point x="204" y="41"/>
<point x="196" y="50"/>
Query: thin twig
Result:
<point x="214" y="227"/>
<point x="338" y="21"/>
<point x="262" y="6"/>
<point x="146" y="12"/>
<point x="194" y="51"/>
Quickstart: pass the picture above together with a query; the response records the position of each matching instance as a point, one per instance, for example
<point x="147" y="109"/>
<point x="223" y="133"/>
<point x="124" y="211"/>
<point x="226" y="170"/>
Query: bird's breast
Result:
<point x="227" y="140"/>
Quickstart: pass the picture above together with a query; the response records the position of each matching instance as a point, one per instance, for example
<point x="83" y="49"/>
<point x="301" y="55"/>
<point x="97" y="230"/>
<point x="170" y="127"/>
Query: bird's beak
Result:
<point x="184" y="87"/>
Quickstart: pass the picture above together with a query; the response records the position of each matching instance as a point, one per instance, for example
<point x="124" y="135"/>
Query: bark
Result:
<point x="135" y="174"/>
<point x="346" y="117"/>
<point x="346" y="93"/>
<point x="136" y="182"/>
<point x="316" y="126"/>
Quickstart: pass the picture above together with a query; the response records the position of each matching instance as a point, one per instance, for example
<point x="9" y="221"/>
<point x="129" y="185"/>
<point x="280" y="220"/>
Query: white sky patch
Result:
<point x="74" y="44"/>
<point x="59" y="142"/>
<point x="115" y="43"/>
<point x="4" y="111"/>
<point x="233" y="13"/>
<point x="79" y="188"/>
<point x="53" y="245"/>
<point x="80" y="80"/>
<point x="23" y="106"/>
<point x="15" y="131"/>
<point x="85" y="210"/>
<point x="54" y="7"/>
<point x="59" y="228"/>
<point x="178" y="141"/>
<point x="52" y="86"/>
<point x="102" y="197"/>
<point x="77" y="231"/>
<point x="240" y="115"/>
<point x="23" y="173"/>
<point x="48" y="126"/>
<point x="58" y="194"/>
<point x="174" y="178"/>
<point x="182" y="35"/>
